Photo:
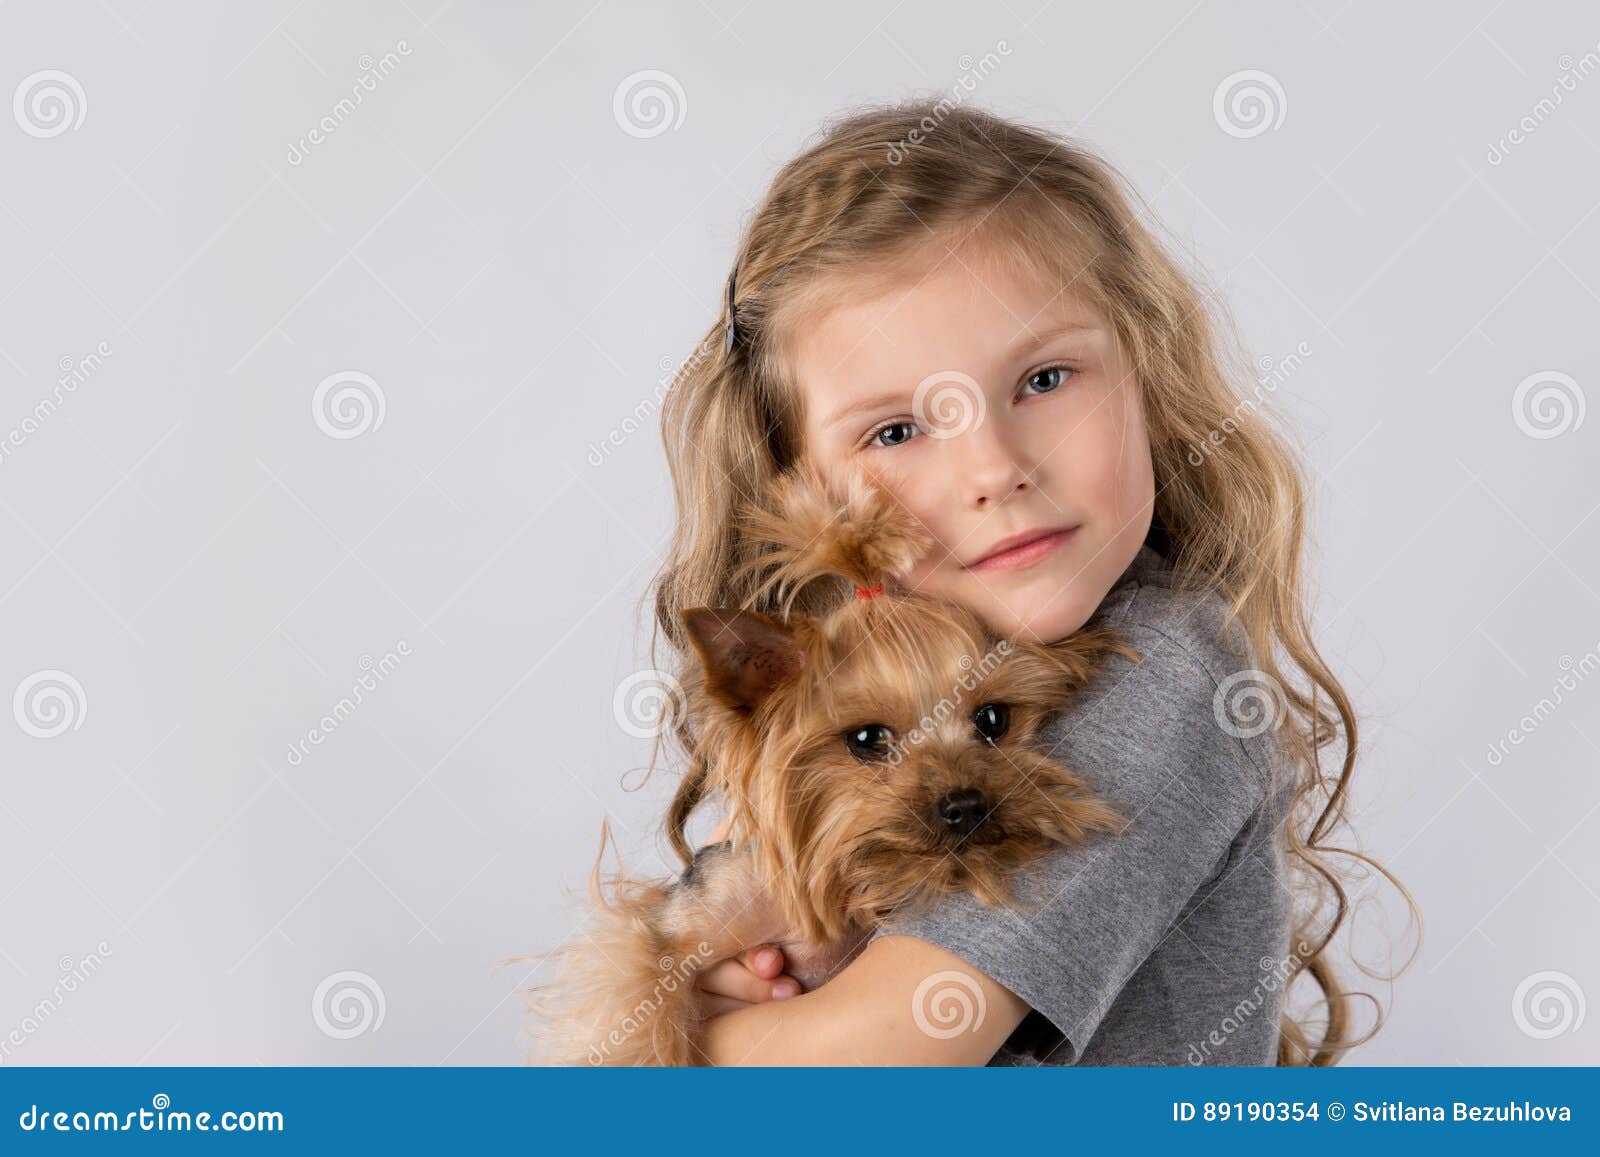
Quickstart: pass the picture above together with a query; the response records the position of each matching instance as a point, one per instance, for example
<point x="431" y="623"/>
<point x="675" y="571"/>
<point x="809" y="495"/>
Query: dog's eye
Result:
<point x="870" y="742"/>
<point x="991" y="721"/>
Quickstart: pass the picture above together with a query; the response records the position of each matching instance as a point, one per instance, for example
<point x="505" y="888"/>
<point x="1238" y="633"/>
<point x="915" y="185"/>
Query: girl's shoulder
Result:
<point x="1186" y="626"/>
<point x="1194" y="695"/>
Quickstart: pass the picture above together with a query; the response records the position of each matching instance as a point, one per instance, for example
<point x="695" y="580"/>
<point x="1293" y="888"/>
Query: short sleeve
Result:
<point x="1146" y="737"/>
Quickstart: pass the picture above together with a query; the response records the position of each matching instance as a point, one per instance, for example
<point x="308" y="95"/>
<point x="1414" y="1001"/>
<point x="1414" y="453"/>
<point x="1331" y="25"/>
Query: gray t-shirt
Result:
<point x="1166" y="943"/>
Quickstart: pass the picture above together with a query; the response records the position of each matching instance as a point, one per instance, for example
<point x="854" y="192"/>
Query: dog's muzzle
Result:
<point x="962" y="812"/>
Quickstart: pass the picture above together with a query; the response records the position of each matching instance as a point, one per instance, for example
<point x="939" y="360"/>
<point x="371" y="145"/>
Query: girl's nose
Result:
<point x="991" y="468"/>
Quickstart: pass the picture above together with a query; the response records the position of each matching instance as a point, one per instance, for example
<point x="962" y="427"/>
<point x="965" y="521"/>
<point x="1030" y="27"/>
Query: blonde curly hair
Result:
<point x="1230" y="495"/>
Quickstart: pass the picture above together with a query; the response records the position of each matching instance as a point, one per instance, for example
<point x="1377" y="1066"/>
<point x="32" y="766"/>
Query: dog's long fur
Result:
<point x="859" y="756"/>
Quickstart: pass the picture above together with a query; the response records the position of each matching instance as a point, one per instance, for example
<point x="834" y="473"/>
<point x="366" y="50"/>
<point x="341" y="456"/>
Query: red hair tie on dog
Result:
<point x="868" y="592"/>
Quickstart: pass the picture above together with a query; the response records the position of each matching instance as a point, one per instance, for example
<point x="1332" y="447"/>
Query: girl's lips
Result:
<point x="1025" y="555"/>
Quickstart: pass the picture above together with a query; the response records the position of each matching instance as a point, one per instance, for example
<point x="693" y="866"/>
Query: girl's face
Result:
<point x="997" y="413"/>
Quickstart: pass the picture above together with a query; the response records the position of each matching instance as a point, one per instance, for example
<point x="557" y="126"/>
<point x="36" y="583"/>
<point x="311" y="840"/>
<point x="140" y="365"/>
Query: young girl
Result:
<point x="969" y="310"/>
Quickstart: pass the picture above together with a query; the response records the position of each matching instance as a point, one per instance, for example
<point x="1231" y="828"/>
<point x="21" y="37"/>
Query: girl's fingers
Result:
<point x="717" y="1005"/>
<point x="754" y="975"/>
<point x="730" y="978"/>
<point x="765" y="960"/>
<point x="714" y="1006"/>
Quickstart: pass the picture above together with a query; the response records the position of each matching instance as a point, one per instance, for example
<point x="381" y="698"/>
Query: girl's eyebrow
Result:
<point x="1030" y="341"/>
<point x="1027" y="343"/>
<point x="871" y="403"/>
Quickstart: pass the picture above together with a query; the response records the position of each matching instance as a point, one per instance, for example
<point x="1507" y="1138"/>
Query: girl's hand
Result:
<point x="754" y="975"/>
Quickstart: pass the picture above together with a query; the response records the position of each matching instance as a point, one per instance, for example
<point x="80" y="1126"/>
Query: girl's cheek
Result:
<point x="1133" y="475"/>
<point x="927" y="501"/>
<point x="1076" y="464"/>
<point x="929" y="577"/>
<point x="1106" y="452"/>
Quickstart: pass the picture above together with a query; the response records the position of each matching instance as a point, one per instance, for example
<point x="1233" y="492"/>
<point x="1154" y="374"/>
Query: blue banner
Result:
<point x="855" y="1110"/>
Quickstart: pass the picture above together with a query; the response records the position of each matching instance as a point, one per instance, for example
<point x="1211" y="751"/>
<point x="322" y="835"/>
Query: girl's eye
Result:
<point x="991" y="721"/>
<point x="870" y="743"/>
<point x="1049" y="379"/>
<point x="898" y="433"/>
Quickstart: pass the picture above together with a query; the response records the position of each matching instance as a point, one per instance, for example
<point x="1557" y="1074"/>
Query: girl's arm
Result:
<point x="903" y="1001"/>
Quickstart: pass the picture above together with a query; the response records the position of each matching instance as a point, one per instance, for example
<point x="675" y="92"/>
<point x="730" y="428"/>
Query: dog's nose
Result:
<point x="962" y="812"/>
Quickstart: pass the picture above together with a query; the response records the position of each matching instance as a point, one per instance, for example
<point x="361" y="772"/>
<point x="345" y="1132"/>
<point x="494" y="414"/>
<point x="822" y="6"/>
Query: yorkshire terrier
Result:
<point x="874" y="756"/>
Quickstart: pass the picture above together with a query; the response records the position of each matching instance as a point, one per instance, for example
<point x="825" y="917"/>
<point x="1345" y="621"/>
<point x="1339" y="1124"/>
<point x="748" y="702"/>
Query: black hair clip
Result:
<point x="730" y="331"/>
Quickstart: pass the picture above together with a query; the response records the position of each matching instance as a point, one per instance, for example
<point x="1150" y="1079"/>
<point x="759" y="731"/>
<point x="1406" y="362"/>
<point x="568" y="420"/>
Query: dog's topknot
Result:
<point x="804" y="530"/>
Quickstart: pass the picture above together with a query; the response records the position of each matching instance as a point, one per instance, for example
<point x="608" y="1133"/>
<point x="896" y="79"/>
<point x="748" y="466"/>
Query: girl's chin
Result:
<point x="1038" y="603"/>
<point x="1035" y="620"/>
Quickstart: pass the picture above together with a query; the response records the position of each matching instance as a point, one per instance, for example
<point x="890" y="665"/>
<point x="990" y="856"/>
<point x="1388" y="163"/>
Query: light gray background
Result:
<point x="485" y="240"/>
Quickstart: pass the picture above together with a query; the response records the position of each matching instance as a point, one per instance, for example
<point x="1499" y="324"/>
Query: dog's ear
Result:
<point x="746" y="655"/>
